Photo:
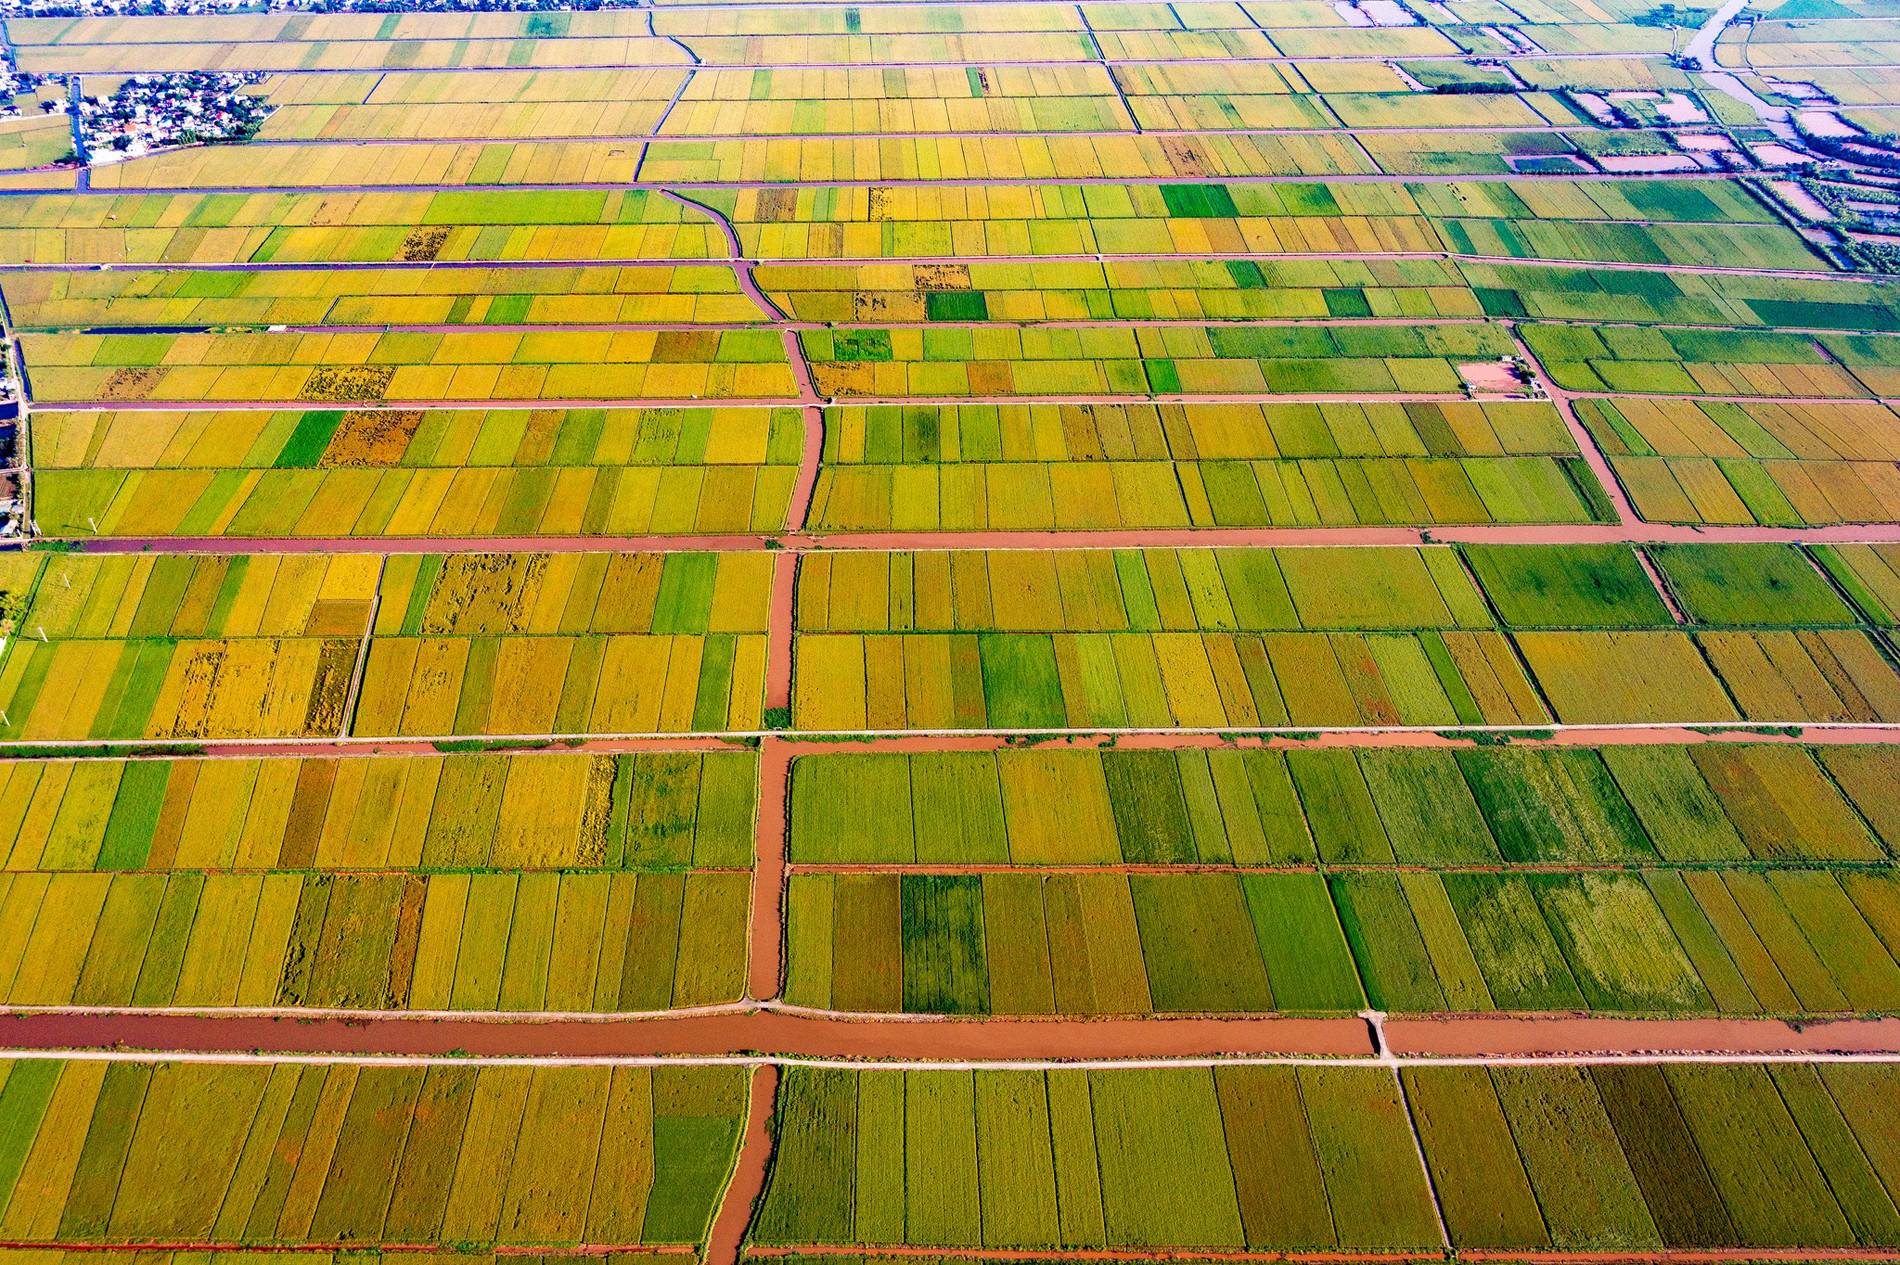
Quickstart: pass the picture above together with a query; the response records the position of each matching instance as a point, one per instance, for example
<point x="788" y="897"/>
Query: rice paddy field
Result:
<point x="1068" y="467"/>
<point x="479" y="1156"/>
<point x="288" y="646"/>
<point x="954" y="634"/>
<point x="1608" y="879"/>
<point x="1267" y="1158"/>
<point x="411" y="472"/>
<point x="1326" y="638"/>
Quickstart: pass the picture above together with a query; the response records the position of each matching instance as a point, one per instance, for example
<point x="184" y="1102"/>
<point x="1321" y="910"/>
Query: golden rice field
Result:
<point x="950" y="633"/>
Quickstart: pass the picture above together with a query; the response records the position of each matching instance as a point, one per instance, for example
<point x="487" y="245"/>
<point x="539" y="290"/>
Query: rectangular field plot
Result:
<point x="518" y="644"/>
<point x="899" y="100"/>
<point x="196" y="687"/>
<point x="272" y="646"/>
<point x="1204" y="97"/>
<point x="1779" y="464"/>
<point x="268" y="646"/>
<point x="34" y="140"/>
<point x="366" y="53"/>
<point x="493" y="106"/>
<point x="308" y="165"/>
<point x="326" y="27"/>
<point x="1242" y="639"/>
<point x="1874" y="359"/>
<point x="790" y="223"/>
<point x="1868" y="573"/>
<point x="1210" y="97"/>
<point x="1665" y="941"/>
<point x="1071" y="944"/>
<point x="1603" y="1158"/>
<point x="1478" y="154"/>
<point x="1645" y="361"/>
<point x="408" y="366"/>
<point x="1647" y="295"/>
<point x="1658" y="221"/>
<point x="134" y="299"/>
<point x="1607" y="807"/>
<point x="1034" y="17"/>
<point x="1118" y="660"/>
<point x="507" y="941"/>
<point x="366" y="226"/>
<point x="423" y="813"/>
<point x="181" y="647"/>
<point x="1118" y="289"/>
<point x="1681" y="1154"/>
<point x="1212" y="360"/>
<point x="1090" y="1157"/>
<point x="1750" y="585"/>
<point x="1028" y="682"/>
<point x="1657" y="677"/>
<point x="414" y="472"/>
<point x="531" y="685"/>
<point x="1044" y="466"/>
<point x="1044" y="157"/>
<point x="115" y="1153"/>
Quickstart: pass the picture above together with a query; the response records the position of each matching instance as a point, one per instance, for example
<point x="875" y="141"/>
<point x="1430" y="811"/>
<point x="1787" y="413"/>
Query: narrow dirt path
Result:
<point x="1632" y="532"/>
<point x="1674" y="1256"/>
<point x="999" y="257"/>
<point x="780" y="628"/>
<point x="793" y="742"/>
<point x="790" y="1035"/>
<point x="1580" y="434"/>
<point x="798" y="512"/>
<point x="1662" y="586"/>
<point x="765" y="963"/>
<point x="742" y="266"/>
<point x="738" y="1035"/>
<point x="1357" y="177"/>
<point x="809" y="400"/>
<point x="1506" y="1036"/>
<point x="749" y="1170"/>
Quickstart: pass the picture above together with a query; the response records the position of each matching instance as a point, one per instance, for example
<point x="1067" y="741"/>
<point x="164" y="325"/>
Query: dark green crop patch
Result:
<point x="955" y="305"/>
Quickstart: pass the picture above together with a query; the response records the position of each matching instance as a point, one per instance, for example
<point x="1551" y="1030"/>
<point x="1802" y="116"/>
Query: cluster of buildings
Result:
<point x="120" y="8"/>
<point x="16" y="88"/>
<point x="150" y="112"/>
<point x="449" y="6"/>
<point x="14" y="85"/>
<point x="12" y="472"/>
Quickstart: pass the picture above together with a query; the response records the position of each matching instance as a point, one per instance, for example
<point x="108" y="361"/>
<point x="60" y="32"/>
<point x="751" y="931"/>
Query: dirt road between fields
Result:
<point x="804" y="742"/>
<point x="1633" y="533"/>
<point x="738" y="1034"/>
<point x="787" y="1034"/>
